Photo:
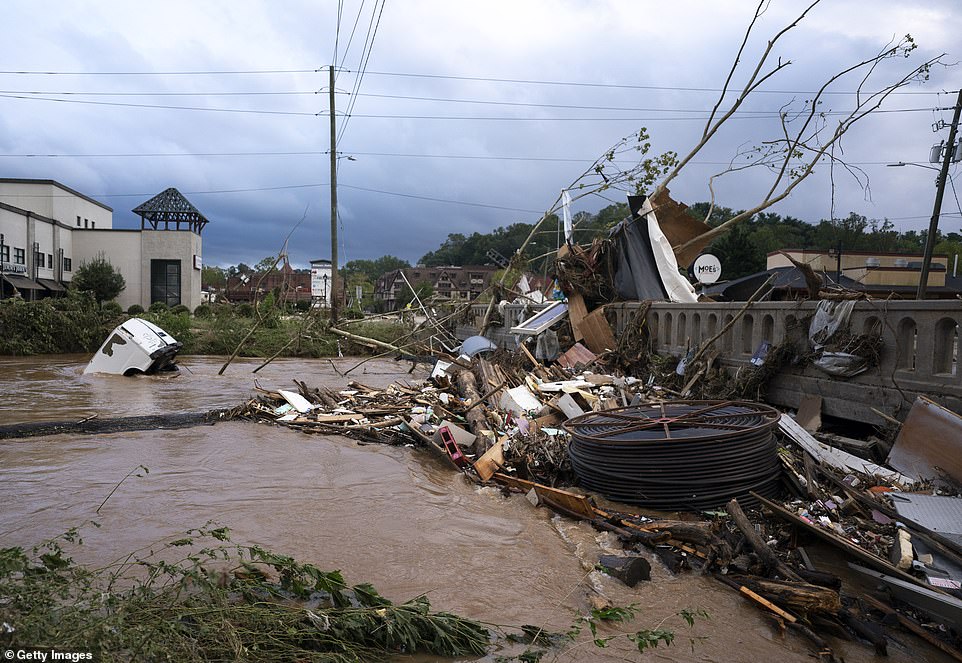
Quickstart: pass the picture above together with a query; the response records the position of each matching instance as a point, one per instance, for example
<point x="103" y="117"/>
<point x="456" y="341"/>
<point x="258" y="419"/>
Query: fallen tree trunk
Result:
<point x="364" y="340"/>
<point x="799" y="597"/>
<point x="468" y="387"/>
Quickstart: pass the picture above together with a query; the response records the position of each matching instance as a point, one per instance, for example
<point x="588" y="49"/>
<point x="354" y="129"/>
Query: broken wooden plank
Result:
<point x="570" y="501"/>
<point x="491" y="461"/>
<point x="577" y="311"/>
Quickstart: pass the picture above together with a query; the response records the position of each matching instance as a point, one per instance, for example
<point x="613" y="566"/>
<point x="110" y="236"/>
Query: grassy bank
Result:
<point x="75" y="324"/>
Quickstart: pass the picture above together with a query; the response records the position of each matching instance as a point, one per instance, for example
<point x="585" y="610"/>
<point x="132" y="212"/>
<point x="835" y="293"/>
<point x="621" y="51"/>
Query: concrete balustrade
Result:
<point x="919" y="356"/>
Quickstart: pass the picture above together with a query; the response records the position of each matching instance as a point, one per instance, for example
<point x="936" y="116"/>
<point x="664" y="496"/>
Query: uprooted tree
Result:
<point x="808" y="134"/>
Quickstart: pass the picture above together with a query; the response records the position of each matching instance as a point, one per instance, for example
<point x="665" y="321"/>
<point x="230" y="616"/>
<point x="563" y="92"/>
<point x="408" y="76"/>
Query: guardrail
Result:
<point x="920" y="348"/>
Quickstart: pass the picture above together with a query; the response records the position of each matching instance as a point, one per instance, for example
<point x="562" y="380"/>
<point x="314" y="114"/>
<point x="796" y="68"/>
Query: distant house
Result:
<point x="48" y="230"/>
<point x="285" y="283"/>
<point x="452" y="283"/>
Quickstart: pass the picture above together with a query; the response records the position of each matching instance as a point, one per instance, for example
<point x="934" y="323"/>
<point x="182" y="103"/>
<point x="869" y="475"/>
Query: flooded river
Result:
<point x="394" y="517"/>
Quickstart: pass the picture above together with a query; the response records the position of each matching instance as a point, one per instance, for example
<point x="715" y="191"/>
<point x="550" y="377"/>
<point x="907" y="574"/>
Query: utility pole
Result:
<point x="940" y="191"/>
<point x="334" y="279"/>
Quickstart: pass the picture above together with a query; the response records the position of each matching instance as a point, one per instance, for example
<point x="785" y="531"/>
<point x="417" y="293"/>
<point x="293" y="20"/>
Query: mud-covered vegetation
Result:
<point x="75" y="323"/>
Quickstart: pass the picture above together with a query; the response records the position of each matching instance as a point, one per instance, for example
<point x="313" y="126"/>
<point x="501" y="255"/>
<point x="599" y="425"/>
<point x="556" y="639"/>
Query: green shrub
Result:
<point x="176" y="325"/>
<point x="51" y="326"/>
<point x="203" y="311"/>
<point x="180" y="309"/>
<point x="302" y="306"/>
<point x="135" y="309"/>
<point x="245" y="310"/>
<point x="223" y="310"/>
<point x="112" y="309"/>
<point x="157" y="307"/>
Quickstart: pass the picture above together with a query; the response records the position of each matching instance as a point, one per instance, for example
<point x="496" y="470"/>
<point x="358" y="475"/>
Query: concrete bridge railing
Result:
<point x="919" y="356"/>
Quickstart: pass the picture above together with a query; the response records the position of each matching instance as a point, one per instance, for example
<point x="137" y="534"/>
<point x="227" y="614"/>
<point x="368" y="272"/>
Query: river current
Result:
<point x="392" y="516"/>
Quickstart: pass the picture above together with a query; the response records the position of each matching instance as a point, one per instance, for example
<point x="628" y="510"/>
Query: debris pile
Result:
<point x="571" y="437"/>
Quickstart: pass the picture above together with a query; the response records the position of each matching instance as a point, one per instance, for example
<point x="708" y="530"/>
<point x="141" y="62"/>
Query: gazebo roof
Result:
<point x="170" y="206"/>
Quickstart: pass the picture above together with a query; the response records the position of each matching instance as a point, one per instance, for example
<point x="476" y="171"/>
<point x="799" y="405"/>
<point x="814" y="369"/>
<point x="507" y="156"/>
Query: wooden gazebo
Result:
<point x="167" y="207"/>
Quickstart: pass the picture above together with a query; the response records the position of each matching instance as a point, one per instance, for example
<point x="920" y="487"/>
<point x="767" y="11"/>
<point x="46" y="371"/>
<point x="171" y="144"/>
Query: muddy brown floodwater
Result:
<point x="391" y="516"/>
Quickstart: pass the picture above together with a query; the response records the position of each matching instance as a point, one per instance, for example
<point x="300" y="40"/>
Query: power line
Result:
<point x="220" y="72"/>
<point x="347" y="48"/>
<point x="772" y="113"/>
<point x="396" y="74"/>
<point x="606" y="85"/>
<point x="439" y="200"/>
<point x="163" y="94"/>
<point x="87" y="102"/>
<point x="360" y="76"/>
<point x="479" y="118"/>
<point x="405" y="155"/>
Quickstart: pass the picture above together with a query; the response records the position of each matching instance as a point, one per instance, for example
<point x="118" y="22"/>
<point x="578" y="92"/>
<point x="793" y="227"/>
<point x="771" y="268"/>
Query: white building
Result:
<point x="47" y="230"/>
<point x="321" y="282"/>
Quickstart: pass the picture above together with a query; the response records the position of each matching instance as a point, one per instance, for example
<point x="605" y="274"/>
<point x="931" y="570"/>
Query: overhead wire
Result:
<point x="36" y="96"/>
<point x="350" y="40"/>
<point x="626" y="86"/>
<point x="365" y="58"/>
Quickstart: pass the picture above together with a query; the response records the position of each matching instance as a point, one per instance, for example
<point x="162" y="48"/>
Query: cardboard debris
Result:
<point x="809" y="414"/>
<point x="598" y="335"/>
<point x="679" y="227"/>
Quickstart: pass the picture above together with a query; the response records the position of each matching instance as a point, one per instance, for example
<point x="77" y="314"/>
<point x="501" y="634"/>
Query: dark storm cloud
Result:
<point x="686" y="44"/>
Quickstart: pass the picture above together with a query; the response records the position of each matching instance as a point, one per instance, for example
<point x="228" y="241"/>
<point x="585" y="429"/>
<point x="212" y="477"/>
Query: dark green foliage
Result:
<point x="166" y="605"/>
<point x="244" y="310"/>
<point x="56" y="325"/>
<point x="180" y="309"/>
<point x="302" y="306"/>
<point x="135" y="309"/>
<point x="203" y="311"/>
<point x="157" y="307"/>
<point x="112" y="309"/>
<point x="373" y="269"/>
<point x="99" y="278"/>
<point x="177" y="325"/>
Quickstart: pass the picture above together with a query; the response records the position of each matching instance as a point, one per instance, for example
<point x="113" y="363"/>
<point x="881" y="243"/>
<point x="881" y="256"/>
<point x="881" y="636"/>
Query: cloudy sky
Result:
<point x="470" y="114"/>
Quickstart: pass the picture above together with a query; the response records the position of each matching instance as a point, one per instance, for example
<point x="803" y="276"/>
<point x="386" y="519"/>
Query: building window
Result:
<point x="93" y="224"/>
<point x="67" y="264"/>
<point x="86" y="223"/>
<point x="40" y="259"/>
<point x="50" y="260"/>
<point x="19" y="256"/>
<point x="165" y="282"/>
<point x="78" y="221"/>
<point x="5" y="253"/>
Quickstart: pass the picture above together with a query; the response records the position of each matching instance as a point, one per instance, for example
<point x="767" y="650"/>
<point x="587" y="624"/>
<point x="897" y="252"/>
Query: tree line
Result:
<point x="743" y="249"/>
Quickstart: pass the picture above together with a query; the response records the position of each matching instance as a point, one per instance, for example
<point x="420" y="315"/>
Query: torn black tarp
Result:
<point x="644" y="264"/>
